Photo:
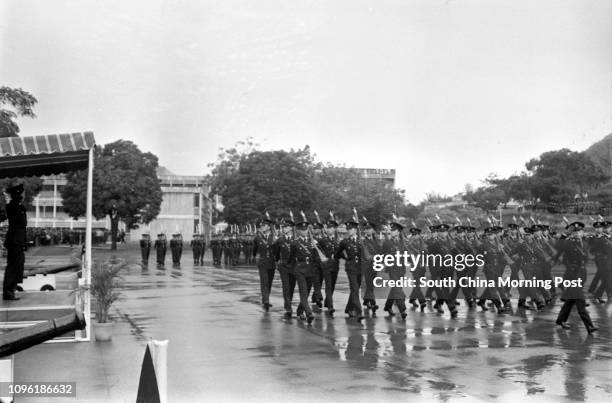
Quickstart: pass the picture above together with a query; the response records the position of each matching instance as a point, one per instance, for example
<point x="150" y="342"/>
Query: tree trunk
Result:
<point x="114" y="230"/>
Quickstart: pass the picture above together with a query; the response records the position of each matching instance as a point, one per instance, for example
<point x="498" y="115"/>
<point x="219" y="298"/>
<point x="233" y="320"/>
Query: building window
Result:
<point x="196" y="200"/>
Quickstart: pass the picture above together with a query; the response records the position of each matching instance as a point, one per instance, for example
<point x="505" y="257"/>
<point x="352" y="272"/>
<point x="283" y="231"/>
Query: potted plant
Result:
<point x="104" y="283"/>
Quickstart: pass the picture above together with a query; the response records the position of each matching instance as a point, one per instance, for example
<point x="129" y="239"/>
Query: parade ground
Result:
<point x="224" y="347"/>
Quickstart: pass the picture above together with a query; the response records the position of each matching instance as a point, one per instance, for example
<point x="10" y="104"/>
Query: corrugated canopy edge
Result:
<point x="44" y="155"/>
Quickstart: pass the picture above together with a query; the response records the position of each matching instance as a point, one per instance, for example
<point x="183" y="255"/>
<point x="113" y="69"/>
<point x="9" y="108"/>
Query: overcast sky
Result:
<point x="444" y="91"/>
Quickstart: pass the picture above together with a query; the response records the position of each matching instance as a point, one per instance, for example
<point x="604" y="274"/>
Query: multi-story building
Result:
<point x="47" y="210"/>
<point x="374" y="175"/>
<point x="185" y="207"/>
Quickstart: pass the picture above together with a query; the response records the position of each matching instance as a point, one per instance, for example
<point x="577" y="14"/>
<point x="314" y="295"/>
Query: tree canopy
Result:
<point x="125" y="187"/>
<point x="252" y="182"/>
<point x="14" y="102"/>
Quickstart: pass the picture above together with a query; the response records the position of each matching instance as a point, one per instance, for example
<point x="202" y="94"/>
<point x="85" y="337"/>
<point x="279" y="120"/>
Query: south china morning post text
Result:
<point x="447" y="263"/>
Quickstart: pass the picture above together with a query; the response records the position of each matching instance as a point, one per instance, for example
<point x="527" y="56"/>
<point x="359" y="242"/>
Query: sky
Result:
<point x="444" y="91"/>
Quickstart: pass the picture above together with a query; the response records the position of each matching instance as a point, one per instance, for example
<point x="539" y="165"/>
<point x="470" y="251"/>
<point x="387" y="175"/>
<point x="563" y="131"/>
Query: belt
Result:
<point x="307" y="260"/>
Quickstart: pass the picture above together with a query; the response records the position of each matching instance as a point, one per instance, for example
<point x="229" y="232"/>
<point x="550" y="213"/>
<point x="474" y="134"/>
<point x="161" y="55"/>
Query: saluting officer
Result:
<point x="15" y="242"/>
<point x="145" y="249"/>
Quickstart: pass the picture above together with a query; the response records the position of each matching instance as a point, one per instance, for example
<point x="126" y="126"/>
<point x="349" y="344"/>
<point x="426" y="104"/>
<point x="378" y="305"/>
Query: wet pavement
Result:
<point x="222" y="346"/>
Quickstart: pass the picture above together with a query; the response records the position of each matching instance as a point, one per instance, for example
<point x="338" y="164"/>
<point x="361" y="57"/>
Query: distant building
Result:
<point x="456" y="201"/>
<point x="185" y="207"/>
<point x="376" y="175"/>
<point x="47" y="209"/>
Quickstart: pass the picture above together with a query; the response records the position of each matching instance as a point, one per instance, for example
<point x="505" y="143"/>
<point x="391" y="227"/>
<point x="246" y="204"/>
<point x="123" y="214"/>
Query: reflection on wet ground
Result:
<point x="479" y="356"/>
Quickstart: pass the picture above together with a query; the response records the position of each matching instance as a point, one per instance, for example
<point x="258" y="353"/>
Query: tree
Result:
<point x="14" y="102"/>
<point x="125" y="187"/>
<point x="556" y="176"/>
<point x="487" y="198"/>
<point x="252" y="182"/>
<point x="273" y="181"/>
<point x="341" y="189"/>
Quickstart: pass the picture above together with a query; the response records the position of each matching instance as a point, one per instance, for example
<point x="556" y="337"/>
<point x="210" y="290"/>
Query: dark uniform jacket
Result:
<point x="18" y="221"/>
<point x="350" y="250"/>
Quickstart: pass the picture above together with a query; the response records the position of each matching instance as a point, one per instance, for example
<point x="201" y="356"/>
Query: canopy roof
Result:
<point x="44" y="155"/>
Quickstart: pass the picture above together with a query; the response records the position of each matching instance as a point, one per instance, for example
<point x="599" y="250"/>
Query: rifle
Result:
<point x="313" y="242"/>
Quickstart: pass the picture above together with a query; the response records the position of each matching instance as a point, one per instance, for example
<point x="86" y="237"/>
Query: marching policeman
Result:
<point x="396" y="294"/>
<point x="575" y="258"/>
<point x="370" y="247"/>
<point x="282" y="252"/>
<point x="263" y="246"/>
<point x="145" y="249"/>
<point x="330" y="245"/>
<point x="15" y="243"/>
<point x="350" y="251"/>
<point x="302" y="257"/>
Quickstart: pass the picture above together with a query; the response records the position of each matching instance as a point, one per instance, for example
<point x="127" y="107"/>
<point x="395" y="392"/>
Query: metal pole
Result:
<point x="88" y="228"/>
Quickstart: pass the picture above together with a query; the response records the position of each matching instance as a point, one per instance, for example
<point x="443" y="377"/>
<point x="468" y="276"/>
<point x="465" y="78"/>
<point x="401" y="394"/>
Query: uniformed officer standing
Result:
<point x="176" y="247"/>
<point x="15" y="242"/>
<point x="575" y="258"/>
<point x="145" y="249"/>
<point x="262" y="245"/>
<point x="215" y="247"/>
<point x="196" y="248"/>
<point x="161" y="245"/>
<point x="350" y="250"/>
<point x="202" y="243"/>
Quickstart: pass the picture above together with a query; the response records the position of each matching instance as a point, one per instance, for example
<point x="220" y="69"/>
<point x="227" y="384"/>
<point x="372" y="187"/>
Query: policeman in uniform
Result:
<point x="262" y="245"/>
<point x="350" y="250"/>
<point x="370" y="246"/>
<point x="145" y="249"/>
<point x="396" y="294"/>
<point x="202" y="243"/>
<point x="317" y="295"/>
<point x="161" y="246"/>
<point x="302" y="257"/>
<point x="196" y="248"/>
<point x="215" y="247"/>
<point x="416" y="245"/>
<point x="329" y="244"/>
<point x="15" y="242"/>
<point x="282" y="252"/>
<point x="575" y="258"/>
<point x="599" y="247"/>
<point x="176" y="247"/>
